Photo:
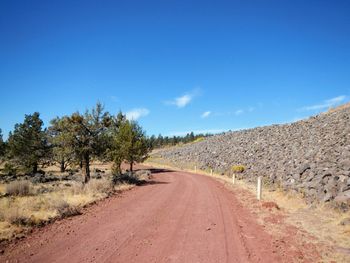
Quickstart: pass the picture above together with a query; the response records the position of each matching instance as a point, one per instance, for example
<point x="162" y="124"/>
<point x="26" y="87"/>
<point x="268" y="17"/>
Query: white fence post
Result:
<point x="259" y="188"/>
<point x="211" y="172"/>
<point x="233" y="178"/>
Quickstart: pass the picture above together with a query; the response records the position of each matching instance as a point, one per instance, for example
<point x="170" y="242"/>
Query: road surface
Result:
<point x="176" y="217"/>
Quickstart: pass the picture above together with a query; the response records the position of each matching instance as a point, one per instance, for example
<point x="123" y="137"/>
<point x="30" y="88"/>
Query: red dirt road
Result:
<point x="177" y="217"/>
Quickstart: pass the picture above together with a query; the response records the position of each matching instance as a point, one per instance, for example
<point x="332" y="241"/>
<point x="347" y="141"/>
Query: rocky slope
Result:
<point x="310" y="156"/>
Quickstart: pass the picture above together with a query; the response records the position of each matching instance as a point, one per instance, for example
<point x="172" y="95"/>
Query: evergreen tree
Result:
<point x="152" y="142"/>
<point x="27" y="145"/>
<point x="89" y="136"/>
<point x="130" y="144"/>
<point x="60" y="138"/>
<point x="191" y="137"/>
<point x="2" y="146"/>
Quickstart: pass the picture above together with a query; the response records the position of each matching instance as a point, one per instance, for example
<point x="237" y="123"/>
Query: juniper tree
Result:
<point x="129" y="144"/>
<point x="89" y="136"/>
<point x="151" y="142"/>
<point x="27" y="145"/>
<point x="60" y="138"/>
<point x="2" y="146"/>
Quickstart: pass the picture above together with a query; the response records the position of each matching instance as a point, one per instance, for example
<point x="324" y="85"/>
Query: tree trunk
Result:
<point x="62" y="166"/>
<point x="35" y="168"/>
<point x="86" y="168"/>
<point x="81" y="163"/>
<point x="131" y="165"/>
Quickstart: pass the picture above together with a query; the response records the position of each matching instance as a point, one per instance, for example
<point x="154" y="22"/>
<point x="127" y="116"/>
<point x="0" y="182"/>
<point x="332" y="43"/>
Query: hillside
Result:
<point x="311" y="157"/>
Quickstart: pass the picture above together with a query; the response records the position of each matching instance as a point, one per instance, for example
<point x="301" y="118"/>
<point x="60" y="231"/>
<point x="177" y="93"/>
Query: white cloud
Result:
<point x="325" y="104"/>
<point x="184" y="100"/>
<point x="205" y="114"/>
<point x="135" y="114"/>
<point x="239" y="112"/>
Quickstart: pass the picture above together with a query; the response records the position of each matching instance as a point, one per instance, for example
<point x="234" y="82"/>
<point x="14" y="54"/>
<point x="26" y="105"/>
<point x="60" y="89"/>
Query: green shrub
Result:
<point x="238" y="168"/>
<point x="9" y="169"/>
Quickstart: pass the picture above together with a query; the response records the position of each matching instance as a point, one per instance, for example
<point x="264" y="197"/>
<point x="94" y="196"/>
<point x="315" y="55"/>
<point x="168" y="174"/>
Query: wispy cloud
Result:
<point x="325" y="104"/>
<point x="205" y="114"/>
<point x="135" y="114"/>
<point x="185" y="99"/>
<point x="239" y="112"/>
<point x="251" y="109"/>
<point x="295" y="119"/>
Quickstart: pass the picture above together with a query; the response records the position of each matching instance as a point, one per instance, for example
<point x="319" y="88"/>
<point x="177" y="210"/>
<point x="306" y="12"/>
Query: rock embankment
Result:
<point x="311" y="156"/>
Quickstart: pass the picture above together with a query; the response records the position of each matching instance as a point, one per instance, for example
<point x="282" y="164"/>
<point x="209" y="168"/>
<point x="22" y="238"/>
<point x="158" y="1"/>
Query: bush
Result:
<point x="9" y="169"/>
<point x="143" y="175"/>
<point x="199" y="139"/>
<point x="126" y="178"/>
<point x="238" y="168"/>
<point x="14" y="216"/>
<point x="19" y="188"/>
<point x="99" y="186"/>
<point x="65" y="210"/>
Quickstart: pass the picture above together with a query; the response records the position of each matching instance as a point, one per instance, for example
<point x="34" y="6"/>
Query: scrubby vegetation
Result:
<point x="19" y="188"/>
<point x="46" y="173"/>
<point x="25" y="204"/>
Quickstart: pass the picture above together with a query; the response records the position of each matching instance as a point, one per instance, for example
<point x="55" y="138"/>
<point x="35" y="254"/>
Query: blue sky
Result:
<point x="175" y="66"/>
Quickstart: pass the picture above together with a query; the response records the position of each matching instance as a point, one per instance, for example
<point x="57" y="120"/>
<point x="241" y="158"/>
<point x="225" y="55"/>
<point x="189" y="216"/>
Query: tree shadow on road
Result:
<point x="152" y="182"/>
<point x="160" y="170"/>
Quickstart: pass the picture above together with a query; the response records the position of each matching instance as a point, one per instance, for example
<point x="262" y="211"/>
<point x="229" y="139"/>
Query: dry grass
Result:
<point x="338" y="108"/>
<point x="24" y="205"/>
<point x="123" y="187"/>
<point x="97" y="187"/>
<point x="19" y="188"/>
<point x="2" y="189"/>
<point x="8" y="231"/>
<point x="20" y="211"/>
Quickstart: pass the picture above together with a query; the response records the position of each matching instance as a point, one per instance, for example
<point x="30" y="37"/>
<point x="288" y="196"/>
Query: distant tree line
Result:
<point x="74" y="140"/>
<point x="160" y="141"/>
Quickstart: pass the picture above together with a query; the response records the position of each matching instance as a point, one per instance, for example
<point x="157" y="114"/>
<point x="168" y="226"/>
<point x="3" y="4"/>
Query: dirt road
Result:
<point x="177" y="217"/>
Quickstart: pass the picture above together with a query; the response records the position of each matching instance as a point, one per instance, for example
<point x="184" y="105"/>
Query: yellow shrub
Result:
<point x="199" y="139"/>
<point x="238" y="168"/>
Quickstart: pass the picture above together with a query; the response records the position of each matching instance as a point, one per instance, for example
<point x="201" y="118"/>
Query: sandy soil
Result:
<point x="176" y="217"/>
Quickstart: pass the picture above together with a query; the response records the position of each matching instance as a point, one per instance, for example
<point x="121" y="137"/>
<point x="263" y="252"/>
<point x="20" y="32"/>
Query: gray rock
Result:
<point x="343" y="197"/>
<point x="328" y="197"/>
<point x="344" y="164"/>
<point x="303" y="168"/>
<point x="315" y="153"/>
<point x="343" y="187"/>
